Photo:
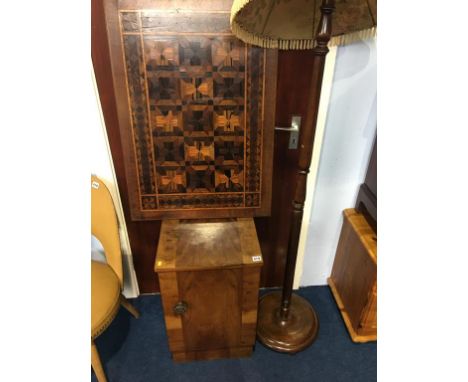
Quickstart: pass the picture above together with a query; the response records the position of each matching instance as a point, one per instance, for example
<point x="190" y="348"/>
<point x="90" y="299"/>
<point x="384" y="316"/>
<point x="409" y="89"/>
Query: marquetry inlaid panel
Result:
<point x="196" y="142"/>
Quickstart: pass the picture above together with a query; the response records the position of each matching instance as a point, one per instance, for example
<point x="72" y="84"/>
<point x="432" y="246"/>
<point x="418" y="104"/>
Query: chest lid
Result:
<point x="207" y="244"/>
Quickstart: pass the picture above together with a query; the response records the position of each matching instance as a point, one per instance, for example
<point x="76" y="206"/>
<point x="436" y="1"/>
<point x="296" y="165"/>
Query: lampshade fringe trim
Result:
<point x="266" y="42"/>
<point x="349" y="38"/>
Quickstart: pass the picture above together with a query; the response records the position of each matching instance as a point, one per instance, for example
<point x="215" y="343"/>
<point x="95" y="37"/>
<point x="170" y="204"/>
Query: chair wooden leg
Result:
<point x="96" y="364"/>
<point x="135" y="313"/>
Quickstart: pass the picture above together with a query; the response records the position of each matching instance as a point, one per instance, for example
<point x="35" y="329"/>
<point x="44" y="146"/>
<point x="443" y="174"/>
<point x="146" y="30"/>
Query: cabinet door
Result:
<point x="213" y="316"/>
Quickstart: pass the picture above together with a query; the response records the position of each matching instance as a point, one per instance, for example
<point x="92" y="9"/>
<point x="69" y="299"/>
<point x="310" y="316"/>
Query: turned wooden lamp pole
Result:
<point x="305" y="152"/>
<point x="287" y="322"/>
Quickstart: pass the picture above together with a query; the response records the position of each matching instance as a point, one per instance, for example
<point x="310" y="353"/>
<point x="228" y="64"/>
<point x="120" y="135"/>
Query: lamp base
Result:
<point x="290" y="336"/>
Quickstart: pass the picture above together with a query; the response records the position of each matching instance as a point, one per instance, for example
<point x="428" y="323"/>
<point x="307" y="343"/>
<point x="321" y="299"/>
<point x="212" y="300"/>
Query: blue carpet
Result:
<point x="137" y="351"/>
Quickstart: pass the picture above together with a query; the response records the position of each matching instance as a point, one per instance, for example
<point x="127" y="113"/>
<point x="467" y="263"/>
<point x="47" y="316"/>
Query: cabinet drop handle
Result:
<point x="180" y="308"/>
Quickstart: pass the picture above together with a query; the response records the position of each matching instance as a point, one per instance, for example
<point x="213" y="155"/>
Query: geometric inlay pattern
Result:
<point x="196" y="104"/>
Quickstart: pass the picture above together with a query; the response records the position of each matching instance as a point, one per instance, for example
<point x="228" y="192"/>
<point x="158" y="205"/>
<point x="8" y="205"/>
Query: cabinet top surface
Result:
<point x="366" y="234"/>
<point x="207" y="244"/>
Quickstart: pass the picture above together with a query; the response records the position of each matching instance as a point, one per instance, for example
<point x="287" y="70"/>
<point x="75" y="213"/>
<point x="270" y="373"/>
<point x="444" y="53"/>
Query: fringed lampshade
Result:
<point x="287" y="322"/>
<point x="292" y="24"/>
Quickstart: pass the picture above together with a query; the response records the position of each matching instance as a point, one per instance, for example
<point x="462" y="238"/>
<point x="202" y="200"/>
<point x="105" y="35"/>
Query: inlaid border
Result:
<point x="136" y="206"/>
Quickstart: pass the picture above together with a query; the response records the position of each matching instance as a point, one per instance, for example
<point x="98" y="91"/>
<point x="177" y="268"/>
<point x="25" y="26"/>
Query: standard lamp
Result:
<point x="286" y="321"/>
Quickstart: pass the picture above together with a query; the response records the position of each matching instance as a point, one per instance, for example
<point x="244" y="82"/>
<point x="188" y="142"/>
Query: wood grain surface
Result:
<point x="206" y="244"/>
<point x="212" y="268"/>
<point x="353" y="280"/>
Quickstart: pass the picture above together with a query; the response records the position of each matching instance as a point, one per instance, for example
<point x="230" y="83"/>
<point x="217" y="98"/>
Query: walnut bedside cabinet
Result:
<point x="209" y="275"/>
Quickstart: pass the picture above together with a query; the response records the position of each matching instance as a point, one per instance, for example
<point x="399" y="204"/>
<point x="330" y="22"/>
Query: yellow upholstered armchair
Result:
<point x="106" y="279"/>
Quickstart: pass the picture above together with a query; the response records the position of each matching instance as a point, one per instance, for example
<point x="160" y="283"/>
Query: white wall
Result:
<point x="102" y="166"/>
<point x="347" y="142"/>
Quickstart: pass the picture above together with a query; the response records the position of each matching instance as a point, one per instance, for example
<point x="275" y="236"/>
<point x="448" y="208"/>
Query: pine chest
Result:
<point x="353" y="279"/>
<point x="209" y="274"/>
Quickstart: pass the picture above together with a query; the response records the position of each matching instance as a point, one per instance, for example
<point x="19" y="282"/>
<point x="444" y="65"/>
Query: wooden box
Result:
<point x="209" y="273"/>
<point x="353" y="280"/>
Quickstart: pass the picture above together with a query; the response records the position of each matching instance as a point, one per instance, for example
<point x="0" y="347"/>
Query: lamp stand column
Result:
<point x="286" y="321"/>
